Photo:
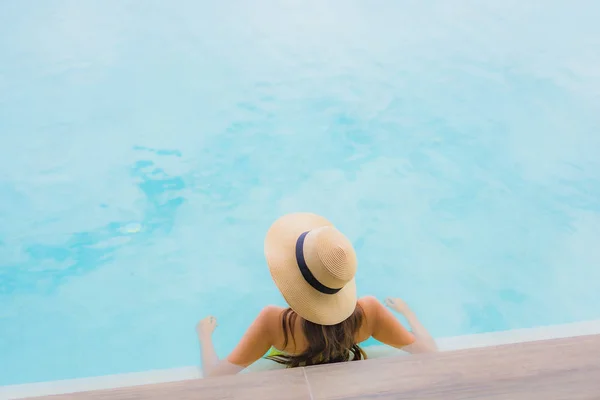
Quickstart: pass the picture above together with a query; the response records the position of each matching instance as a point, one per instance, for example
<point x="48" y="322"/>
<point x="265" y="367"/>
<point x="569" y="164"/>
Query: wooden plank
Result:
<point x="280" y="384"/>
<point x="552" y="369"/>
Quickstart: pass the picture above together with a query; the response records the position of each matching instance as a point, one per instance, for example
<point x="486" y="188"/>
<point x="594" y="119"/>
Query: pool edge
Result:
<point x="194" y="372"/>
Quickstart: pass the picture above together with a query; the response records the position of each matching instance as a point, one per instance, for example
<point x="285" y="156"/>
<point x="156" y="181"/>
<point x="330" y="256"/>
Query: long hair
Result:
<point x="326" y="343"/>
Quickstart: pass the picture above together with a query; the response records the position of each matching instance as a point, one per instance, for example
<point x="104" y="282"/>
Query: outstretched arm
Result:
<point x="253" y="345"/>
<point x="423" y="343"/>
<point x="211" y="365"/>
<point x="383" y="326"/>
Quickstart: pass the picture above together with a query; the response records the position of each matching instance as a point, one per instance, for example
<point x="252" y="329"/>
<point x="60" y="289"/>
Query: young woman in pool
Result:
<point x="313" y="265"/>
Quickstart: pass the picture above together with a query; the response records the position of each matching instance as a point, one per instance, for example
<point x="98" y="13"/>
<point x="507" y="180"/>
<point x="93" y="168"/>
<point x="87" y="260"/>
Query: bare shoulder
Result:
<point x="370" y="304"/>
<point x="372" y="310"/>
<point x="270" y="315"/>
<point x="270" y="311"/>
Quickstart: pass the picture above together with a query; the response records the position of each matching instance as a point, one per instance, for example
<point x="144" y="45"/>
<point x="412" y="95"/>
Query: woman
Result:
<point x="313" y="265"/>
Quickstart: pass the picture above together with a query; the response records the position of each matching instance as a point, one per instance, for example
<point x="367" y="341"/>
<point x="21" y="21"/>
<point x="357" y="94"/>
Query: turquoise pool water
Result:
<point x="146" y="146"/>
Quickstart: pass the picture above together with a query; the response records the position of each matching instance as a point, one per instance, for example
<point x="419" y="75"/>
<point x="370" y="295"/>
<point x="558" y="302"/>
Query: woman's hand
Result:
<point x="397" y="305"/>
<point x="206" y="327"/>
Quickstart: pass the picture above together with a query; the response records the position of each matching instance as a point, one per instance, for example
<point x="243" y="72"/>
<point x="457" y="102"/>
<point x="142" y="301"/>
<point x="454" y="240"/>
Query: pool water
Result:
<point x="146" y="146"/>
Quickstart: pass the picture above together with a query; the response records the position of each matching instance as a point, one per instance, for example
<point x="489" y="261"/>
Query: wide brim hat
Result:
<point x="313" y="265"/>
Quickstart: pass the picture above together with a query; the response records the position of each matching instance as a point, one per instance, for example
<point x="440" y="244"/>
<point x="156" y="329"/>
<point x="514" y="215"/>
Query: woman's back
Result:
<point x="313" y="265"/>
<point x="374" y="316"/>
<point x="267" y="335"/>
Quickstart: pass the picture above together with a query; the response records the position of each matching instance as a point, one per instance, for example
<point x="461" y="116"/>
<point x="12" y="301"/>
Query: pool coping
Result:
<point x="193" y="372"/>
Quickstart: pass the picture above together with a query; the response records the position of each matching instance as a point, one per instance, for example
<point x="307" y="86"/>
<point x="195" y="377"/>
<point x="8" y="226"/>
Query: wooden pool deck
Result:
<point x="566" y="368"/>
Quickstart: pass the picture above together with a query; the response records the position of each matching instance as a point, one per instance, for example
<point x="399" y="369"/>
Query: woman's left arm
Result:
<point x="253" y="345"/>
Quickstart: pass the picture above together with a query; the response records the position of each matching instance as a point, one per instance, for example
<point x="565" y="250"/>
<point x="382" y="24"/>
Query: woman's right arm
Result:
<point x="386" y="328"/>
<point x="423" y="343"/>
<point x="383" y="325"/>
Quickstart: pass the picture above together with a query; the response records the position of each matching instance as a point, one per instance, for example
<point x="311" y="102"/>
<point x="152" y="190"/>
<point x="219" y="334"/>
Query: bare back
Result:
<point x="266" y="331"/>
<point x="395" y="335"/>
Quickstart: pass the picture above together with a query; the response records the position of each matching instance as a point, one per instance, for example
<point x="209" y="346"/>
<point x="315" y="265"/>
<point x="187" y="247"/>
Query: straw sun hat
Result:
<point x="313" y="265"/>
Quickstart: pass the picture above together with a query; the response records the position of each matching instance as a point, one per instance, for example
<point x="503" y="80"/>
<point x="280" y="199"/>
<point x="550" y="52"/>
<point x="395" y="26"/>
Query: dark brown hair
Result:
<point x="326" y="343"/>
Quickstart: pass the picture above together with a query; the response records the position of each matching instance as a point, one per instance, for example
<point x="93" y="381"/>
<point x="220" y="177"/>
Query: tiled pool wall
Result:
<point x="194" y="372"/>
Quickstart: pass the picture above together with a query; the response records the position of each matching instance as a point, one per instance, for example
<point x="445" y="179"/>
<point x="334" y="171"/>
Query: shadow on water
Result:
<point x="86" y="251"/>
